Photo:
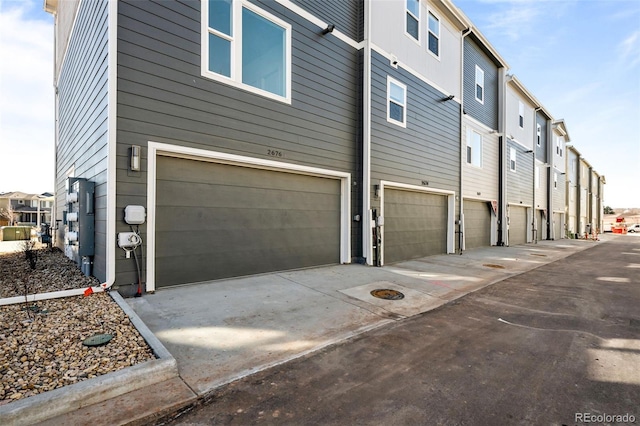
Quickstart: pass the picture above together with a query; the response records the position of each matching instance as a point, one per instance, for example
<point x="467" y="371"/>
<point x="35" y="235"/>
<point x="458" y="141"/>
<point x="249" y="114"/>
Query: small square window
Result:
<point x="555" y="181"/>
<point x="396" y="102"/>
<point x="413" y="19"/>
<point x="434" y="34"/>
<point x="479" y="85"/>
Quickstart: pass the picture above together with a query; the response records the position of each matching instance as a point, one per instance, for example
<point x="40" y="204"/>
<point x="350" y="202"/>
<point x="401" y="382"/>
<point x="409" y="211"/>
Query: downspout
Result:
<point x="463" y="150"/>
<point x="536" y="225"/>
<point x="502" y="165"/>
<point x="367" y="246"/>
<point x="578" y="194"/>
<point x="550" y="161"/>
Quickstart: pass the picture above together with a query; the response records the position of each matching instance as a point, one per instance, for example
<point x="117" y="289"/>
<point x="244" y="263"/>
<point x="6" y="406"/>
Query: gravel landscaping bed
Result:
<point x="41" y="345"/>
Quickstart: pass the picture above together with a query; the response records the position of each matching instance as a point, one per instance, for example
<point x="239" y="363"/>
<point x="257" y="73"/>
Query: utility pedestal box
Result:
<point x="80" y="235"/>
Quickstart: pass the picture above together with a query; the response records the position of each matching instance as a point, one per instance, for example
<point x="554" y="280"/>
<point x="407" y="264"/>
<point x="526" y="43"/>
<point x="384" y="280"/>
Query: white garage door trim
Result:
<point x="156" y="148"/>
<point x="450" y="209"/>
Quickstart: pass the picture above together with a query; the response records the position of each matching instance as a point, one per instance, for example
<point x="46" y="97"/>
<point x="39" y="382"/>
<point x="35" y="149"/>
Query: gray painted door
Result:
<point x="517" y="225"/>
<point x="415" y="225"/>
<point x="557" y="226"/>
<point x="477" y="224"/>
<point x="217" y="221"/>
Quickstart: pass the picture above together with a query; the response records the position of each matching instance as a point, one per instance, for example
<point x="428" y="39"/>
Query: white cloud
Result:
<point x="629" y="50"/>
<point x="27" y="101"/>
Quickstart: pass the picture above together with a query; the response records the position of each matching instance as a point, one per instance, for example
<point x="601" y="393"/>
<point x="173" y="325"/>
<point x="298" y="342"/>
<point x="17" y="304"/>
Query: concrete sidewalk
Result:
<point x="221" y="331"/>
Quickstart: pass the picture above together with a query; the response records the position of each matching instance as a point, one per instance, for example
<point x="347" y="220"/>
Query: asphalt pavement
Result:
<point x="558" y="344"/>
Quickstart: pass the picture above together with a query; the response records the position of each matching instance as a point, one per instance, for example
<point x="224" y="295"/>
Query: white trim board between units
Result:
<point x="156" y="149"/>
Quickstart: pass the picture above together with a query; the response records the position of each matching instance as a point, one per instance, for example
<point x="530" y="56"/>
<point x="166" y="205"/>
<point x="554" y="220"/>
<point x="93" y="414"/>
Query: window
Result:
<point x="537" y="177"/>
<point x="34" y="203"/>
<point x="521" y="115"/>
<point x="539" y="134"/>
<point x="413" y="19"/>
<point x="559" y="146"/>
<point x="555" y="180"/>
<point x="479" y="85"/>
<point x="434" y="35"/>
<point x="246" y="47"/>
<point x="396" y="102"/>
<point x="512" y="159"/>
<point x="474" y="148"/>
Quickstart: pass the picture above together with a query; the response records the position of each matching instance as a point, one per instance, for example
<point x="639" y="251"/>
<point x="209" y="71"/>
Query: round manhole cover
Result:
<point x="97" y="340"/>
<point x="491" y="265"/>
<point x="388" y="294"/>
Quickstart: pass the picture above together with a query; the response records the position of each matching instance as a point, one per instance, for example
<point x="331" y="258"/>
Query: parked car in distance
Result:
<point x="633" y="227"/>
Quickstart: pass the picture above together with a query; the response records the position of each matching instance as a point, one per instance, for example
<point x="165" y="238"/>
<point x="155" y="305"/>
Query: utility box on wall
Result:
<point x="80" y="221"/>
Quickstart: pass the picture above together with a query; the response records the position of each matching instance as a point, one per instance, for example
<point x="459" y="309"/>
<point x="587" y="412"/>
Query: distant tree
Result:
<point x="9" y="214"/>
<point x="608" y="210"/>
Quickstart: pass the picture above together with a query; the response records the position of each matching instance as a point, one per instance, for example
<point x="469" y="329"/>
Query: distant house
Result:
<point x="20" y="208"/>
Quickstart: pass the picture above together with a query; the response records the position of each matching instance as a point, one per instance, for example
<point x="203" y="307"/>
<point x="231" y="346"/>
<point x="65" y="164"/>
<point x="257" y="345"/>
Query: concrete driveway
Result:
<point x="556" y="345"/>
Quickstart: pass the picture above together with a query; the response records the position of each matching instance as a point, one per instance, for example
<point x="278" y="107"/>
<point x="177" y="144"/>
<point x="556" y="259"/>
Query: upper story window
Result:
<point x="434" y="34"/>
<point x="512" y="159"/>
<point x="34" y="203"/>
<point x="479" y="85"/>
<point x="559" y="146"/>
<point x="246" y="47"/>
<point x="396" y="102"/>
<point x="521" y="114"/>
<point x="413" y="19"/>
<point x="474" y="148"/>
<point x="538" y="134"/>
<point x="555" y="180"/>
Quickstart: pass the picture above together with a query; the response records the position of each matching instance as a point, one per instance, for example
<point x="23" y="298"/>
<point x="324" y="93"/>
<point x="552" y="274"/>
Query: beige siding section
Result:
<point x="388" y="24"/>
<point x="524" y="136"/>
<point x="541" y="190"/>
<point x="483" y="180"/>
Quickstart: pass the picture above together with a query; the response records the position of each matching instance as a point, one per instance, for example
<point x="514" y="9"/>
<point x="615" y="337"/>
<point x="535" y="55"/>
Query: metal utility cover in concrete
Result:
<point x="219" y="220"/>
<point x="413" y="303"/>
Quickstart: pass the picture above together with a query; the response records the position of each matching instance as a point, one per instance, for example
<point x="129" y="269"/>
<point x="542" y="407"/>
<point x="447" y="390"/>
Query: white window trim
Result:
<point x="406" y="10"/>
<point x="514" y="154"/>
<point x="156" y="149"/>
<point x="539" y="134"/>
<point x="236" y="59"/>
<point x="475" y="89"/>
<point x="404" y="109"/>
<point x="521" y="114"/>
<point x="430" y="12"/>
<point x="470" y="133"/>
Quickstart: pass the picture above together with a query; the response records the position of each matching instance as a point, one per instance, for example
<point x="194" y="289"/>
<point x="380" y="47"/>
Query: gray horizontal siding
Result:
<point x="347" y="16"/>
<point x="487" y="112"/>
<point x="428" y="148"/>
<point x="162" y="97"/>
<point x="542" y="150"/>
<point x="520" y="182"/>
<point x="82" y="121"/>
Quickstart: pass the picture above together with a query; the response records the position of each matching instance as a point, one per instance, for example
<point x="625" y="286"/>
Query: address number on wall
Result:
<point x="274" y="153"/>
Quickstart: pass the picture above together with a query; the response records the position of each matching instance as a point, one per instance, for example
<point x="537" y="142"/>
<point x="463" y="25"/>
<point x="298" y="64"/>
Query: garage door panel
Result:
<point x="415" y="224"/>
<point x="221" y="221"/>
<point x="477" y="224"/>
<point x="517" y="225"/>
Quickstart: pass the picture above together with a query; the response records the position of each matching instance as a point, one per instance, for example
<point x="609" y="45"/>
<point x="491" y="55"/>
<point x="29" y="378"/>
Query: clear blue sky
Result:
<point x="580" y="58"/>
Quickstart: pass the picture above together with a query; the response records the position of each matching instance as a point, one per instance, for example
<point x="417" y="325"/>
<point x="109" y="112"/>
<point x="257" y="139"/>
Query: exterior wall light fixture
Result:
<point x="135" y="158"/>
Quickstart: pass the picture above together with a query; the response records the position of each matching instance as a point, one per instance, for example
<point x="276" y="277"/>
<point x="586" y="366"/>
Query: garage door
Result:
<point x="517" y="225"/>
<point x="477" y="224"/>
<point x="557" y="226"/>
<point x="218" y="221"/>
<point x="415" y="225"/>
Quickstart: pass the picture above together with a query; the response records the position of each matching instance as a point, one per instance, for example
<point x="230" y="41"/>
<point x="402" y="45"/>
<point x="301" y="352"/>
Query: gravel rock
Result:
<point x="41" y="344"/>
